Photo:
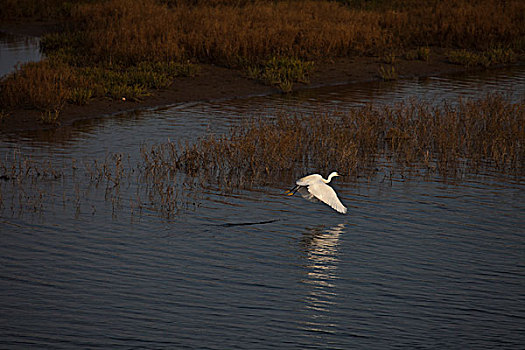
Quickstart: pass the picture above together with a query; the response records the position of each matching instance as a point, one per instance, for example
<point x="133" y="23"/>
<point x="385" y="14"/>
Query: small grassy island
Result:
<point x="103" y="56"/>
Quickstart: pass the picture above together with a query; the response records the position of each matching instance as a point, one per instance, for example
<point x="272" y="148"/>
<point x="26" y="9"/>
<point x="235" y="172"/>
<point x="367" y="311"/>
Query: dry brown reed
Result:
<point x="41" y="9"/>
<point x="444" y="139"/>
<point x="32" y="186"/>
<point x="127" y="31"/>
<point x="108" y="44"/>
<point x="19" y="168"/>
<point x="39" y="85"/>
<point x="20" y="177"/>
<point x="448" y="140"/>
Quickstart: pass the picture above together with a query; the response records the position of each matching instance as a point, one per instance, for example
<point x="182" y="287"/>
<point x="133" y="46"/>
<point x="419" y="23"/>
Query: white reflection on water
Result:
<point x="321" y="248"/>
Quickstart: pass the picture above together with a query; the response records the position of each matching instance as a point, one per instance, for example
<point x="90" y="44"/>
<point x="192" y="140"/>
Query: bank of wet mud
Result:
<point x="216" y="83"/>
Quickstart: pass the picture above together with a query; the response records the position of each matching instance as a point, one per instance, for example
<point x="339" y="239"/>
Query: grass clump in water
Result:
<point x="446" y="139"/>
<point x="388" y="74"/>
<point x="421" y="53"/>
<point x="411" y="137"/>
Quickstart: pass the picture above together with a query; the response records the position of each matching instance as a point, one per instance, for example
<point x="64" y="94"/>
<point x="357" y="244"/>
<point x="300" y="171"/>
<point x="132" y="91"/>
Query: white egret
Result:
<point x="314" y="187"/>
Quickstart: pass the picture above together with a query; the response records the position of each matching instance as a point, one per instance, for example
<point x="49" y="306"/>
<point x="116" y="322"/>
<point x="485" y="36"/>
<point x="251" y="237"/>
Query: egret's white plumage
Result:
<point x="314" y="187"/>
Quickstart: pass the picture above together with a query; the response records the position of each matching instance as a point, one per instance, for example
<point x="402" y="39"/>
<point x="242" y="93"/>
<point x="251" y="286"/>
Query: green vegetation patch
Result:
<point x="421" y="53"/>
<point x="282" y="72"/>
<point x="485" y="59"/>
<point x="388" y="74"/>
<point x="134" y="82"/>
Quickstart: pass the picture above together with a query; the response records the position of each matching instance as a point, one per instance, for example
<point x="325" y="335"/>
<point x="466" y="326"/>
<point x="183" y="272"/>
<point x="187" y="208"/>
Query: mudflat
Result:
<point x="216" y="82"/>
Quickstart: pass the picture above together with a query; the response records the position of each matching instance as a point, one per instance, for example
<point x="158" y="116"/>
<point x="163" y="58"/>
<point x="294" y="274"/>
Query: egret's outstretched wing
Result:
<point x="308" y="180"/>
<point x="327" y="195"/>
<point x="307" y="195"/>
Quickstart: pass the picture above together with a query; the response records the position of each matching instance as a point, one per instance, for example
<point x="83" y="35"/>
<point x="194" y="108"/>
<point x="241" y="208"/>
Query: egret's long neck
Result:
<point x="329" y="178"/>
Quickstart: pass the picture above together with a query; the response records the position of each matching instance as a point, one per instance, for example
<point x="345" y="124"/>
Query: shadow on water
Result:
<point x="247" y="223"/>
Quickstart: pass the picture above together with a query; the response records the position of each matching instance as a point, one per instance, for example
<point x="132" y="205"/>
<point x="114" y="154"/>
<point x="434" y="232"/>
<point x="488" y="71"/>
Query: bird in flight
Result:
<point x="315" y="188"/>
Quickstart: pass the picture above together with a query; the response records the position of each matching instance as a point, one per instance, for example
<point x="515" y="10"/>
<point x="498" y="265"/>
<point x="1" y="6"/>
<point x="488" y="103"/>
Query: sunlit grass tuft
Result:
<point x="37" y="85"/>
<point x="50" y="84"/>
<point x="281" y="71"/>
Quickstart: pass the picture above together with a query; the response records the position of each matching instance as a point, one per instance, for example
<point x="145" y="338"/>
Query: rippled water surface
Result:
<point x="15" y="49"/>
<point x="417" y="262"/>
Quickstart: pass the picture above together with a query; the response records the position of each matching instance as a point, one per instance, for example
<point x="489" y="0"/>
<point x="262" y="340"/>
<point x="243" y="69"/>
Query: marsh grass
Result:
<point x="41" y="9"/>
<point x="124" y="31"/>
<point x="486" y="58"/>
<point x="48" y="85"/>
<point x="19" y="168"/>
<point x="44" y="86"/>
<point x="445" y="140"/>
<point x="388" y="74"/>
<point x="389" y="58"/>
<point x="416" y="138"/>
<point x="3" y="114"/>
<point x="50" y="117"/>
<point x="80" y="95"/>
<point x="115" y="48"/>
<point x="420" y="53"/>
<point x="282" y="72"/>
<point x="127" y="32"/>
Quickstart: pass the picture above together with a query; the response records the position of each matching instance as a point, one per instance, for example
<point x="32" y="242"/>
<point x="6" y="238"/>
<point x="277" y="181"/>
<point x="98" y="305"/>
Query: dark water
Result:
<point x="413" y="265"/>
<point x="417" y="262"/>
<point x="15" y="49"/>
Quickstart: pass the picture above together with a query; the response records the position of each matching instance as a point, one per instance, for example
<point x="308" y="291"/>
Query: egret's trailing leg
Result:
<point x="292" y="191"/>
